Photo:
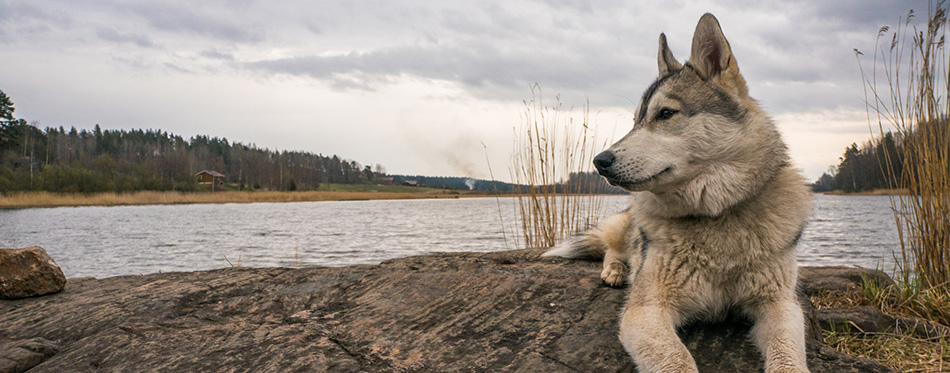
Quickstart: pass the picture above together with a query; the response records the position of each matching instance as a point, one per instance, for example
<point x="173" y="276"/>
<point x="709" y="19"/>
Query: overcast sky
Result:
<point x="419" y="86"/>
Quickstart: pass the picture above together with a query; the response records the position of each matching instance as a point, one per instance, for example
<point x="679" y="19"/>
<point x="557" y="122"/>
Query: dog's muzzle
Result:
<point x="603" y="161"/>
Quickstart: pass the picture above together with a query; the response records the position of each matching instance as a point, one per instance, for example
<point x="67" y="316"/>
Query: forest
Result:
<point x="83" y="161"/>
<point x="862" y="168"/>
<point x="865" y="167"/>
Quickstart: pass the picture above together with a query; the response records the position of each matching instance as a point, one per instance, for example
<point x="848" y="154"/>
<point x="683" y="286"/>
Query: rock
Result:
<point x="813" y="280"/>
<point x="870" y="319"/>
<point x="28" y="272"/>
<point x="864" y="319"/>
<point x="20" y="356"/>
<point x="505" y="311"/>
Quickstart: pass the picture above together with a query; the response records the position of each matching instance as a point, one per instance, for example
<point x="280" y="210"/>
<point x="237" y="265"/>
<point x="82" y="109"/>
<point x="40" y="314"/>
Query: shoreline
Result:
<point x="875" y="192"/>
<point x="25" y="200"/>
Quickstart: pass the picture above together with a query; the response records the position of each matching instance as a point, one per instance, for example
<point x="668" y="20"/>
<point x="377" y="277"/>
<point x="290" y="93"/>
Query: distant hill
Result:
<point x="450" y="182"/>
<point x="578" y="182"/>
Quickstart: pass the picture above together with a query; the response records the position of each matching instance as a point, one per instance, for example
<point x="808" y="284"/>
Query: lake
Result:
<point x="110" y="241"/>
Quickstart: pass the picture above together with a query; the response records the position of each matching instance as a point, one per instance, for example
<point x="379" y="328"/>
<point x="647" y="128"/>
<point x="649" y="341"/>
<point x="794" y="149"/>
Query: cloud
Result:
<point x="177" y="68"/>
<point x="19" y="20"/>
<point x="796" y="56"/>
<point x="112" y="35"/>
<point x="133" y="63"/>
<point x="313" y="27"/>
<point x="216" y="54"/>
<point x="197" y="21"/>
<point x="486" y="70"/>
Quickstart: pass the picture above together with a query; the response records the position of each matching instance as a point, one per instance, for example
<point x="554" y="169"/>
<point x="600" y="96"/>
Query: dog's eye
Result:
<point x="665" y="113"/>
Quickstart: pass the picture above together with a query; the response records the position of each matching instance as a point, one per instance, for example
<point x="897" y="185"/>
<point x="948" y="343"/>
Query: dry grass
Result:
<point x="903" y="351"/>
<point x="915" y="302"/>
<point x="549" y="146"/>
<point x="837" y="299"/>
<point x="896" y="301"/>
<point x="44" y="199"/>
<point x="913" y="101"/>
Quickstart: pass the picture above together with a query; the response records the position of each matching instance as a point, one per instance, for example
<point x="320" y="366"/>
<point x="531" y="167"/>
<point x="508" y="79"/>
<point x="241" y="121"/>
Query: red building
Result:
<point x="210" y="177"/>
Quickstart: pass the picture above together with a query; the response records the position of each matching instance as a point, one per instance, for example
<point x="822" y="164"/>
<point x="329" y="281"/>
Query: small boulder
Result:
<point x="813" y="280"/>
<point x="866" y="319"/>
<point x="29" y="272"/>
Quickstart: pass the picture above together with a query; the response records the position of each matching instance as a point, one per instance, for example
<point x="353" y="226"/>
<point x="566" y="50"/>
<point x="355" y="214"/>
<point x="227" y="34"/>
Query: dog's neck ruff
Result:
<point x="724" y="185"/>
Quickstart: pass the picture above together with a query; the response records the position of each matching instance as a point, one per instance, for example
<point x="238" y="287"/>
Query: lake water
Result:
<point x="109" y="241"/>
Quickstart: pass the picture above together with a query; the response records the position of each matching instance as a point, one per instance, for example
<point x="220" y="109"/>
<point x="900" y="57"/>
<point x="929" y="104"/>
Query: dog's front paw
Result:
<point x="614" y="274"/>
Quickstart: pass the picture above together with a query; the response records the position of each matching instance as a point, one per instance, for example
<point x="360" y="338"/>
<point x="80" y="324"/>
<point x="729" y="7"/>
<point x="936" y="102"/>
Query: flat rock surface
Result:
<point x="20" y="356"/>
<point x="505" y="311"/>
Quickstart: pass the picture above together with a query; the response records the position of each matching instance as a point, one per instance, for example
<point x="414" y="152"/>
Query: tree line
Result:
<point x="55" y="159"/>
<point x="84" y="161"/>
<point x="869" y="166"/>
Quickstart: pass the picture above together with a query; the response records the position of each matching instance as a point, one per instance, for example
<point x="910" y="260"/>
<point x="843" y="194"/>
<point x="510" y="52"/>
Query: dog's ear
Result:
<point x="665" y="59"/>
<point x="712" y="57"/>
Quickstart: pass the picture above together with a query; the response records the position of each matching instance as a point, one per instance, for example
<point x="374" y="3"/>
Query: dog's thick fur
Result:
<point x="716" y="213"/>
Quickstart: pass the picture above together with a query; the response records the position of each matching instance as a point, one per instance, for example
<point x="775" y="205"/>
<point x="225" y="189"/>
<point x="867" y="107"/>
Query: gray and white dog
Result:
<point x="716" y="212"/>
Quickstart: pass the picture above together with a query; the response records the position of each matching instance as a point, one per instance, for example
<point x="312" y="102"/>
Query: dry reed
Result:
<point x="549" y="146"/>
<point x="912" y="100"/>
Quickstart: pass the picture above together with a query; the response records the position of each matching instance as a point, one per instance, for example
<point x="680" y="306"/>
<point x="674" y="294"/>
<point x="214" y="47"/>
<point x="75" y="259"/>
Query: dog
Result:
<point x="716" y="212"/>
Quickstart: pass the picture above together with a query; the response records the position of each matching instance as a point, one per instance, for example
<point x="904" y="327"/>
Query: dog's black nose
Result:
<point x="603" y="160"/>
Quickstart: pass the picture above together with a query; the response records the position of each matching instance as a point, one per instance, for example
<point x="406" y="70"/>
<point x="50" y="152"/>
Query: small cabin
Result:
<point x="210" y="177"/>
<point x="412" y="183"/>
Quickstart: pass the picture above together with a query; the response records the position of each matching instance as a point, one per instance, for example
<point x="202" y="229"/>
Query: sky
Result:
<point x="422" y="87"/>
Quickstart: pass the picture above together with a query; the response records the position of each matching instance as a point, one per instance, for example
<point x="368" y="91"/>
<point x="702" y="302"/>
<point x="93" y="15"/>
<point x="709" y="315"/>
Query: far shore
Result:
<point x="875" y="192"/>
<point x="22" y="200"/>
<point x="44" y="199"/>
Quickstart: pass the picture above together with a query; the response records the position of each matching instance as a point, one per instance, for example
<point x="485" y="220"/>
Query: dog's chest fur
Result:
<point x="740" y="257"/>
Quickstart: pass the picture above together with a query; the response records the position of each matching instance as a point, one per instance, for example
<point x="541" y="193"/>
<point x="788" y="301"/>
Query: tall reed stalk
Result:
<point x="550" y="145"/>
<point x="913" y="101"/>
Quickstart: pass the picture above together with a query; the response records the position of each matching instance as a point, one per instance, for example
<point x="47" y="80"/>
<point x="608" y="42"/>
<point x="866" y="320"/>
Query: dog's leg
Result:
<point x="780" y="334"/>
<point x="614" y="233"/>
<point x="648" y="333"/>
<point x="615" y="268"/>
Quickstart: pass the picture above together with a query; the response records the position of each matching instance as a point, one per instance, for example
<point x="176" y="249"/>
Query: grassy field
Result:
<point x="331" y="192"/>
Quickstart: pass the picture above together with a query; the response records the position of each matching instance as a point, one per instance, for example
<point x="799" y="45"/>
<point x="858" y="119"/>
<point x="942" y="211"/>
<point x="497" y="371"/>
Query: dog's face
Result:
<point x="685" y="119"/>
